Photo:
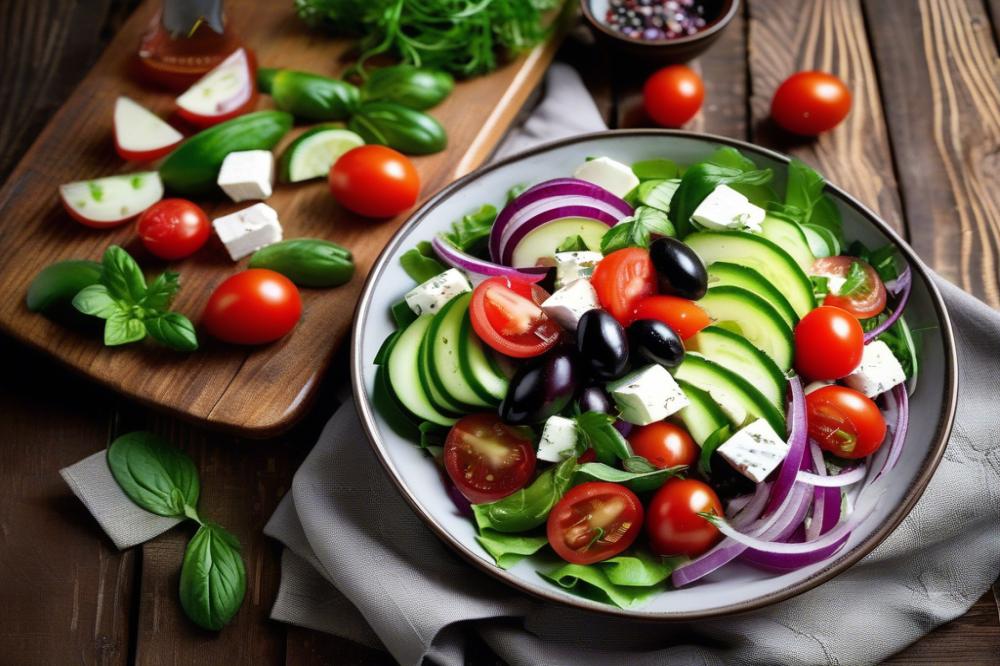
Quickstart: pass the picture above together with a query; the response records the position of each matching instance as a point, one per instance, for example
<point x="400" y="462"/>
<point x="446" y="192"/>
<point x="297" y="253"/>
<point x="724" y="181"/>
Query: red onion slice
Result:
<point x="755" y="508"/>
<point x="524" y="226"/>
<point x="902" y="405"/>
<point x="481" y="268"/>
<point x="901" y="287"/>
<point x="797" y="437"/>
<point x="845" y="478"/>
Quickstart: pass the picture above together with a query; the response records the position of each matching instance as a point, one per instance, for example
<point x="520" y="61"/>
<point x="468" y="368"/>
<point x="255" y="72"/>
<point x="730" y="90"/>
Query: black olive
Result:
<point x="679" y="270"/>
<point x="602" y="344"/>
<point x="652" y="341"/>
<point x="541" y="388"/>
<point x="593" y="398"/>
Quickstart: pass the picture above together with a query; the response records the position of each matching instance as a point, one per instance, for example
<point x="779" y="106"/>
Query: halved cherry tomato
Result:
<point x="685" y="317"/>
<point x="673" y="95"/>
<point x="829" y="343"/>
<point x="673" y="524"/>
<point x="374" y="181"/>
<point x="808" y="103"/>
<point x="505" y="315"/>
<point x="664" y="444"/>
<point x="253" y="307"/>
<point x="845" y="422"/>
<point x="622" y="279"/>
<point x="866" y="299"/>
<point x="594" y="521"/>
<point x="173" y="228"/>
<point x="488" y="459"/>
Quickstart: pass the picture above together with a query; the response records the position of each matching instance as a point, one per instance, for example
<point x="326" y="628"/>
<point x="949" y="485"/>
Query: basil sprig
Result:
<point x="637" y="230"/>
<point x="163" y="480"/>
<point x="131" y="309"/>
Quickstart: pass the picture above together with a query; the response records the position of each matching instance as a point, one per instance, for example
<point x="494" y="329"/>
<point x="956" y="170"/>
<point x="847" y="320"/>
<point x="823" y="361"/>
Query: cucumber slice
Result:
<point x="702" y="417"/>
<point x="480" y="366"/>
<point x="404" y="373"/>
<point x="313" y="153"/>
<point x="725" y="274"/>
<point x="444" y="348"/>
<point x="733" y="352"/>
<point x="749" y="315"/>
<point x="763" y="256"/>
<point x="432" y="385"/>
<point x="789" y="237"/>
<point x="728" y="390"/>
<point x="822" y="241"/>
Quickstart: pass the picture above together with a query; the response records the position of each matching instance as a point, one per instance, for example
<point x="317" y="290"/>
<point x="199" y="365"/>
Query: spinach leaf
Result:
<point x="804" y="192"/>
<point x="729" y="157"/>
<point x="509" y="549"/>
<point x="598" y="432"/>
<point x="572" y="244"/>
<point x="158" y="477"/>
<point x="658" y="193"/>
<point x="639" y="482"/>
<point x="213" y="577"/>
<point x="625" y="581"/>
<point x="421" y="263"/>
<point x="528" y="507"/>
<point x="96" y="301"/>
<point x="122" y="276"/>
<point x="699" y="181"/>
<point x="471" y="233"/>
<point x="173" y="330"/>
<point x="712" y="442"/>
<point x="655" y="169"/>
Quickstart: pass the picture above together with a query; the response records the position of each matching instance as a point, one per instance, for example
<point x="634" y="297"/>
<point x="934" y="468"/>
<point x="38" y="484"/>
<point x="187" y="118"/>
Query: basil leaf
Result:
<point x="156" y="476"/>
<point x="572" y="244"/>
<point x="122" y="328"/>
<point x="821" y="286"/>
<point x="699" y="181"/>
<point x="654" y="221"/>
<point x="639" y="482"/>
<point x="786" y="212"/>
<point x="624" y="581"/>
<point x="658" y="193"/>
<point x="655" y="169"/>
<point x="471" y="233"/>
<point x="617" y="237"/>
<point x="599" y="433"/>
<point x="804" y="187"/>
<point x="509" y="549"/>
<point x="122" y="276"/>
<point x="883" y="260"/>
<point x="856" y="281"/>
<point x="161" y="292"/>
<point x="96" y="301"/>
<point x="173" y="330"/>
<point x="638" y="464"/>
<point x="421" y="264"/>
<point x="712" y="442"/>
<point x="528" y="507"/>
<point x="731" y="158"/>
<point x="213" y="577"/>
<point x="825" y="214"/>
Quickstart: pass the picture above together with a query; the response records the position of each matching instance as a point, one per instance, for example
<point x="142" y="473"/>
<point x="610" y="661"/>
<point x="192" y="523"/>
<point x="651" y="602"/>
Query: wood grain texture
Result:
<point x="941" y="89"/>
<point x="972" y="639"/>
<point x="262" y="390"/>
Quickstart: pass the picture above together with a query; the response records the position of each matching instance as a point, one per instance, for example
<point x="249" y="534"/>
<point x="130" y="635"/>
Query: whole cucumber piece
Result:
<point x="313" y="97"/>
<point x="308" y="262"/>
<point x="194" y="165"/>
<point x="58" y="283"/>
<point x="394" y="125"/>
<point x="416" y="87"/>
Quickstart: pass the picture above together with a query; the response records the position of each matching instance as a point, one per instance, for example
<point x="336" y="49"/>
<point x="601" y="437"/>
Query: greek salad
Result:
<point x="650" y="371"/>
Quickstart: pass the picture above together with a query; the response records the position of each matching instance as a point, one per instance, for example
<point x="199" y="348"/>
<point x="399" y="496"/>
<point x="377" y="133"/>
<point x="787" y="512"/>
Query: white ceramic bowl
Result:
<point x="734" y="588"/>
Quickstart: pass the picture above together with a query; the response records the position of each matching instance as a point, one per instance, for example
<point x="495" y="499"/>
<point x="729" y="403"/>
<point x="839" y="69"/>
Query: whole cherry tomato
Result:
<point x="374" y="181"/>
<point x="672" y="522"/>
<point x="829" y="343"/>
<point x="673" y="95"/>
<point x="845" y="422"/>
<point x="253" y="307"/>
<point x="664" y="444"/>
<point x="808" y="103"/>
<point x="173" y="228"/>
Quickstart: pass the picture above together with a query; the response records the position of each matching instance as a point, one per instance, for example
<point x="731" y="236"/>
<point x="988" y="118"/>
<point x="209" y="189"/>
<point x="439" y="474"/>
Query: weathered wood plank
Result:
<point x="941" y="89"/>
<point x="971" y="639"/>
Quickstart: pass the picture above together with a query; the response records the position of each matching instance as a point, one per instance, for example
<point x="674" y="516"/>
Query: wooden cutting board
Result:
<point x="256" y="391"/>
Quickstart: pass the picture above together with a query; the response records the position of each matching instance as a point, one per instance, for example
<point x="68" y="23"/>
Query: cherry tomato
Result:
<point x="673" y="95"/>
<point x="374" y="181"/>
<point x="685" y="317"/>
<point x="253" y="307"/>
<point x="621" y="279"/>
<point x="673" y="524"/>
<point x="505" y="315"/>
<point x="845" y="422"/>
<point x="664" y="444"/>
<point x="173" y="228"/>
<point x="594" y="521"/>
<point x="828" y="343"/>
<point x="488" y="459"/>
<point x="808" y="103"/>
<point x="866" y="299"/>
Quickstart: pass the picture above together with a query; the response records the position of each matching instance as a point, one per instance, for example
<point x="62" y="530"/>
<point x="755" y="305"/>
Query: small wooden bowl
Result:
<point x="678" y="49"/>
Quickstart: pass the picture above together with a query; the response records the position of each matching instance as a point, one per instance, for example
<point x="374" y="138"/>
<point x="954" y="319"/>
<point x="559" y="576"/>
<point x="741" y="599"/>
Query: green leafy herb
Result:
<point x="471" y="233"/>
<point x="899" y="339"/>
<point x="639" y="482"/>
<point x="509" y="549"/>
<point x="158" y="477"/>
<point x="516" y="191"/>
<point x="856" y="281"/>
<point x="174" y="330"/>
<point x="655" y="169"/>
<point x="699" y="181"/>
<point x="821" y="286"/>
<point x="625" y="581"/>
<point x="122" y="327"/>
<point x="713" y="442"/>
<point x="213" y="577"/>
<point x="572" y="244"/>
<point x="402" y="314"/>
<point x="804" y="192"/>
<point x="528" y="507"/>
<point x="638" y="465"/>
<point x="637" y="230"/>
<point x="432" y="435"/>
<point x="421" y="263"/>
<point x="598" y="432"/>
<point x="96" y="301"/>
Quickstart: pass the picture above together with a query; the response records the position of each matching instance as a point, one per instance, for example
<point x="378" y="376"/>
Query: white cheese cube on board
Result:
<point x="247" y="174"/>
<point x="755" y="451"/>
<point x="879" y="370"/>
<point x="647" y="395"/>
<point x="558" y="440"/>
<point x="610" y="174"/>
<point x="572" y="266"/>
<point x="725" y="208"/>
<point x="434" y="294"/>
<point x="246" y="231"/>
<point x="568" y="304"/>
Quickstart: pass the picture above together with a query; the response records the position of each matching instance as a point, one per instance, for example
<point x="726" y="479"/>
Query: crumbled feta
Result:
<point x="558" y="440"/>
<point x="432" y="295"/>
<point x="247" y="174"/>
<point x="246" y="231"/>
<point x="610" y="174"/>
<point x="879" y="370"/>
<point x="647" y="395"/>
<point x="572" y="266"/>
<point x="725" y="208"/>
<point x="755" y="451"/>
<point x="568" y="304"/>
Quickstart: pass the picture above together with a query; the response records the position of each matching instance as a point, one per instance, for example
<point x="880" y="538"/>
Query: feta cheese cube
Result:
<point x="879" y="370"/>
<point x="647" y="395"/>
<point x="246" y="231"/>
<point x="432" y="295"/>
<point x="725" y="208"/>
<point x="558" y="440"/>
<point x="247" y="174"/>
<point x="755" y="451"/>
<point x="610" y="174"/>
<point x="572" y="266"/>
<point x="568" y="304"/>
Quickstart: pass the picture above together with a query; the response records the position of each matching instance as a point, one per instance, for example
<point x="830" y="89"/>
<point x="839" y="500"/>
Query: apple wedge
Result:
<point x="108" y="202"/>
<point x="225" y="92"/>
<point x="141" y="135"/>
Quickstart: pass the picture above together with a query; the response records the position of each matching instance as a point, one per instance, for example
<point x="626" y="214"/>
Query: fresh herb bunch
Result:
<point x="465" y="37"/>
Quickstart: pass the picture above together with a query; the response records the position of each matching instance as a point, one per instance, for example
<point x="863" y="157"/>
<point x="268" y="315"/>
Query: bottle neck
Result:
<point x="182" y="18"/>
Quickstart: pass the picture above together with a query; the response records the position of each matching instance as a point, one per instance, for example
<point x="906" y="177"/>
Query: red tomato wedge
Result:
<point x="845" y="422"/>
<point x="622" y="279"/>
<point x="140" y="134"/>
<point x="685" y="317"/>
<point x="505" y="315"/>
<point x="594" y="521"/>
<point x="227" y="91"/>
<point x="866" y="295"/>
<point x="487" y="459"/>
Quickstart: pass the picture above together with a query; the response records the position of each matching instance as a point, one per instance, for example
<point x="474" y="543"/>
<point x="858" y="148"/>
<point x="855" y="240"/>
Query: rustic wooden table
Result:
<point x="921" y="146"/>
